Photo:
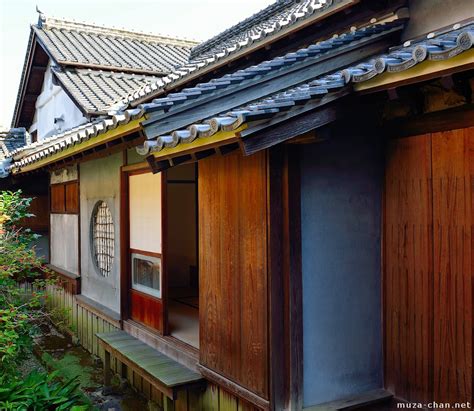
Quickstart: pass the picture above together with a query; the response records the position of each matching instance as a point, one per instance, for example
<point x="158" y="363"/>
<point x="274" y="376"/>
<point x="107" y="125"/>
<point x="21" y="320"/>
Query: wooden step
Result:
<point x="164" y="373"/>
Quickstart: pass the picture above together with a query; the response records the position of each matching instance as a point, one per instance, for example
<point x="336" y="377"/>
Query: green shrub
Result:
<point x="21" y="312"/>
<point x="40" y="391"/>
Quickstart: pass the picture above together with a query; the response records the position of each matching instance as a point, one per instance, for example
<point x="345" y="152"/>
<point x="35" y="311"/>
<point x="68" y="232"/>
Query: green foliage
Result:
<point x="40" y="391"/>
<point x="13" y="209"/>
<point x="21" y="313"/>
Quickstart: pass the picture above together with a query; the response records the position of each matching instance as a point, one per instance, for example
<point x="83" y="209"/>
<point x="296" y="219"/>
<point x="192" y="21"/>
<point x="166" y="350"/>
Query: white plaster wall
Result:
<point x="145" y="212"/>
<point x="430" y="15"/>
<point x="64" y="175"/>
<point x="53" y="102"/>
<point x="100" y="181"/>
<point x="64" y="242"/>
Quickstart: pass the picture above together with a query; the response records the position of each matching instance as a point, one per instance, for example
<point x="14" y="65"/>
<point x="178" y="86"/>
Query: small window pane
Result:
<point x="146" y="274"/>
<point x="103" y="238"/>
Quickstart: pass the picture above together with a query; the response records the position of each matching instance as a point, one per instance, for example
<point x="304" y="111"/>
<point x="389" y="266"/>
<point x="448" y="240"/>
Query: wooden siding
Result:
<point x="428" y="287"/>
<point x="65" y="197"/>
<point x="453" y="195"/>
<point x="146" y="310"/>
<point x="233" y="269"/>
<point x="57" y="198"/>
<point x="84" y="324"/>
<point x="72" y="197"/>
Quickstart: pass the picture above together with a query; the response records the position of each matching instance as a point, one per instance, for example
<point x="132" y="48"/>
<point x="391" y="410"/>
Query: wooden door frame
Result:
<point x="125" y="273"/>
<point x="285" y="278"/>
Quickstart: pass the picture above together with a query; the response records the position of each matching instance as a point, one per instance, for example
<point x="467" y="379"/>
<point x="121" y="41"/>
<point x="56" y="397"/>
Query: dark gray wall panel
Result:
<point x="341" y="206"/>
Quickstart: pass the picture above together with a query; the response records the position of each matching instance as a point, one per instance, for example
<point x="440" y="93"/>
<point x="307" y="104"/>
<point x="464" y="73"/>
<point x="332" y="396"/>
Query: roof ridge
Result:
<point x="53" y="22"/>
<point x="259" y="15"/>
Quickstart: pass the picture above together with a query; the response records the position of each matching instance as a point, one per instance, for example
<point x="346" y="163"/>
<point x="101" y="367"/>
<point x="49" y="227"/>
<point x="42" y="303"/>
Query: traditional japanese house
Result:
<point x="285" y="220"/>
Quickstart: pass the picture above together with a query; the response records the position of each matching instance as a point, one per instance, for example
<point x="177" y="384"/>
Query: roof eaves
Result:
<point x="320" y="90"/>
<point x="55" y="145"/>
<point x="23" y="78"/>
<point x="198" y="68"/>
<point x="268" y="77"/>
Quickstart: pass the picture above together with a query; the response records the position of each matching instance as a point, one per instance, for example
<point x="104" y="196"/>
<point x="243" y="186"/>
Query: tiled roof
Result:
<point x="85" y="45"/>
<point x="11" y="140"/>
<point x="441" y="47"/>
<point x="267" y="22"/>
<point x="437" y="47"/>
<point x="257" y="29"/>
<point x="314" y="55"/>
<point x="96" y="90"/>
<point x="58" y="142"/>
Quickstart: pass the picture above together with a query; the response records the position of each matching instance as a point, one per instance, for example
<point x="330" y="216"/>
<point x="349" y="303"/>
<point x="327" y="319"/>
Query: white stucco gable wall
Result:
<point x="55" y="111"/>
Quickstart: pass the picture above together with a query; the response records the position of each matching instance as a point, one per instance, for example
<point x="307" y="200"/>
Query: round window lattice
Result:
<point x="103" y="238"/>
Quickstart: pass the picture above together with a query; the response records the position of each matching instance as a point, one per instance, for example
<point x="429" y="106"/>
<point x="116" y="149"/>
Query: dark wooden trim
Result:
<point x="277" y="133"/>
<point x="293" y="276"/>
<point x="164" y="250"/>
<point x="124" y="245"/>
<point x="147" y="253"/>
<point x="275" y="269"/>
<point x="234" y="388"/>
<point x="79" y="234"/>
<point x="99" y="310"/>
<point x="444" y="120"/>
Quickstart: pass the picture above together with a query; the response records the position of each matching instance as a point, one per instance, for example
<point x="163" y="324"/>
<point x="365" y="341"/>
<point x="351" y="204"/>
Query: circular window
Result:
<point x="103" y="238"/>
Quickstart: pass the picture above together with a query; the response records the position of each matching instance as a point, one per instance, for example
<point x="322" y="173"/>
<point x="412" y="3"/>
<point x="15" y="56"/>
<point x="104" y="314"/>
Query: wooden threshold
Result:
<point x="354" y="402"/>
<point x="234" y="388"/>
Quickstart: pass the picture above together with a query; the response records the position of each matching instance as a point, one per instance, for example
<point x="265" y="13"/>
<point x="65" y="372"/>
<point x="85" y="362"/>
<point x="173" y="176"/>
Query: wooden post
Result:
<point x="107" y="373"/>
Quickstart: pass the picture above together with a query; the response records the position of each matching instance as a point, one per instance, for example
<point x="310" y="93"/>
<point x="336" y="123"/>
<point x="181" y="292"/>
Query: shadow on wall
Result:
<point x="341" y="183"/>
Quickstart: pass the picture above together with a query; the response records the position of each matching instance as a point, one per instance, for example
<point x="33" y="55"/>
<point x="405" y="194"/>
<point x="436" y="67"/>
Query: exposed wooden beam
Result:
<point x="444" y="120"/>
<point x="284" y="131"/>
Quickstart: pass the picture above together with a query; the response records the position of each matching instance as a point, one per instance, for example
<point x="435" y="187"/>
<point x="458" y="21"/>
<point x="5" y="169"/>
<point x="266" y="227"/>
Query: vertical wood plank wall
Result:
<point x="85" y="323"/>
<point x="408" y="264"/>
<point x="428" y="260"/>
<point x="233" y="269"/>
<point x="453" y="195"/>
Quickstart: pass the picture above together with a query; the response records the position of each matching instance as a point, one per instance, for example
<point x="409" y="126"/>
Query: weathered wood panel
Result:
<point x="233" y="269"/>
<point x="453" y="194"/>
<point x="146" y="310"/>
<point x="57" y="198"/>
<point x="72" y="197"/>
<point x="428" y="260"/>
<point x="408" y="268"/>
